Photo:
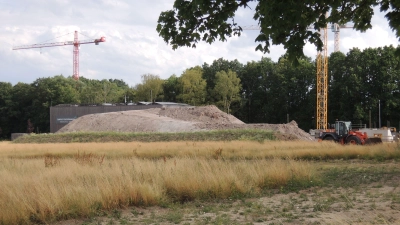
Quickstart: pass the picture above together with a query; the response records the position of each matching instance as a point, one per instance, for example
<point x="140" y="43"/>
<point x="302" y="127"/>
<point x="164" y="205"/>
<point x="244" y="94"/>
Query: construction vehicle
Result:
<point x="343" y="133"/>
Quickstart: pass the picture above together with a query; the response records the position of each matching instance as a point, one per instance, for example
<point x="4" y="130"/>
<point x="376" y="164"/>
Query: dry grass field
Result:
<point x="236" y="182"/>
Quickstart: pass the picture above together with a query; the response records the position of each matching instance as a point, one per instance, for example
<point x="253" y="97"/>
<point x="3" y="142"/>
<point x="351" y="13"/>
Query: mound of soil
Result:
<point x="176" y="119"/>
<point x="129" y="121"/>
<point x="203" y="114"/>
<point x="288" y="131"/>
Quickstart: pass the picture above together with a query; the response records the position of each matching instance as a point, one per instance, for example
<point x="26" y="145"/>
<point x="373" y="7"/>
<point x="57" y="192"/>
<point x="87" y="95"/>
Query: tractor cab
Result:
<point x="342" y="128"/>
<point x="338" y="130"/>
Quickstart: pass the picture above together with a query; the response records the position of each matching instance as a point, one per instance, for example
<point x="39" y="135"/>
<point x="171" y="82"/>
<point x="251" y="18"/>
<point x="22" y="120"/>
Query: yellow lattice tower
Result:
<point x="322" y="82"/>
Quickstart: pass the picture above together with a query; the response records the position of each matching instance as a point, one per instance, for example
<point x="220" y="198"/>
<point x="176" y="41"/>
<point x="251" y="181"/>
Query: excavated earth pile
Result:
<point x="176" y="119"/>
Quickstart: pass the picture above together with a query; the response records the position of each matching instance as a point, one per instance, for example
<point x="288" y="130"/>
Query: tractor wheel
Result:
<point x="329" y="138"/>
<point x="353" y="140"/>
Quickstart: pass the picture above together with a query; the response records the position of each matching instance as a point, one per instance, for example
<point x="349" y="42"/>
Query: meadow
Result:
<point x="50" y="182"/>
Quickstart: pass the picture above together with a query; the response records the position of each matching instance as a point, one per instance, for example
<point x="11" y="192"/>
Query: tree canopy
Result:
<point x="192" y="86"/>
<point x="281" y="22"/>
<point x="227" y="88"/>
<point x="363" y="84"/>
<point x="151" y="89"/>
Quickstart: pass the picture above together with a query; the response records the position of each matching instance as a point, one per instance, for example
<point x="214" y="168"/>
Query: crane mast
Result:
<point x="75" y="58"/>
<point x="322" y="82"/>
<point x="76" y="43"/>
<point x="322" y="74"/>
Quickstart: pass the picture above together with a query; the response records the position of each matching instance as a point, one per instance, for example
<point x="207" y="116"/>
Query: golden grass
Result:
<point x="227" y="150"/>
<point x="31" y="192"/>
<point x="48" y="182"/>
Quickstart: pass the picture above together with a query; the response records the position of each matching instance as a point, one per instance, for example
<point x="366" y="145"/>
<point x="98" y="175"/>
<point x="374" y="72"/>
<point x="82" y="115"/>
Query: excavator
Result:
<point x="343" y="133"/>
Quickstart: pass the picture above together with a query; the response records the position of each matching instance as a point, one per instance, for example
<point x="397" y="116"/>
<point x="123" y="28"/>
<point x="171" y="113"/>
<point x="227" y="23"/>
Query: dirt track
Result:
<point x="176" y="119"/>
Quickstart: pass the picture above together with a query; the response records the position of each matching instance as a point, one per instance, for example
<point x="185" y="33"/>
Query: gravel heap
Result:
<point x="176" y="119"/>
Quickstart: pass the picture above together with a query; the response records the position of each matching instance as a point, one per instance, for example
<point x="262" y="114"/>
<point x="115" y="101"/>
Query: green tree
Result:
<point x="192" y="86"/>
<point x="389" y="74"/>
<point x="121" y="91"/>
<point x="171" y="89"/>
<point x="130" y="95"/>
<point x="275" y="106"/>
<point x="89" y="91"/>
<point x="105" y="91"/>
<point x="21" y="106"/>
<point x="359" y="80"/>
<point x="281" y="22"/>
<point x="295" y="91"/>
<point x="227" y="88"/>
<point x="209" y="72"/>
<point x="49" y="92"/>
<point x="378" y="72"/>
<point x="120" y="83"/>
<point x="109" y="91"/>
<point x="338" y="73"/>
<point x="5" y="101"/>
<point x="151" y="88"/>
<point x="254" y="77"/>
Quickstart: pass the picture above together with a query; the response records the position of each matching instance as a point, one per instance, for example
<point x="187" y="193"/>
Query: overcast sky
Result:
<point x="133" y="47"/>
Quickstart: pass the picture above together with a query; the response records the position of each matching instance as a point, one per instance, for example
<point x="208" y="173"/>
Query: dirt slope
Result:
<point x="175" y="119"/>
<point x="129" y="121"/>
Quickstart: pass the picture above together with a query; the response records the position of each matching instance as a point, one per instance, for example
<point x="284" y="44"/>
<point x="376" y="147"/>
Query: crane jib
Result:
<point x="58" y="44"/>
<point x="44" y="45"/>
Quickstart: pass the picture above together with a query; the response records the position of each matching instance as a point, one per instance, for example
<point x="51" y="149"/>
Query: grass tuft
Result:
<point x="51" y="160"/>
<point x="89" y="158"/>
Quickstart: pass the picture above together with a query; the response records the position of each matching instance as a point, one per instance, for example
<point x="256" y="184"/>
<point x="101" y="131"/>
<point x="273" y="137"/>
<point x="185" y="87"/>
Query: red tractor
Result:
<point x="344" y="134"/>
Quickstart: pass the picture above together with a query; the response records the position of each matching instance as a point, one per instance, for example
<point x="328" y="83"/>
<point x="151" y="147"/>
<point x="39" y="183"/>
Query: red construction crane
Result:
<point x="75" y="43"/>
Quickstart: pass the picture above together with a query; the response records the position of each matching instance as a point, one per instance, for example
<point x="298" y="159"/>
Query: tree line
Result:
<point x="255" y="92"/>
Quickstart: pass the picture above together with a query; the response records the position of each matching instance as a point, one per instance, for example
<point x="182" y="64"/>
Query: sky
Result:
<point x="133" y="47"/>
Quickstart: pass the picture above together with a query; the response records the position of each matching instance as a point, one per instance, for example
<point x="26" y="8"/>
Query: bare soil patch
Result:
<point x="177" y="119"/>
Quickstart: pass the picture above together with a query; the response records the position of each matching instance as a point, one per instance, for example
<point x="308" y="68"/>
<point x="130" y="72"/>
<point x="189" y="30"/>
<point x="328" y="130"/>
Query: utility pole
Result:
<point x="379" y="114"/>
